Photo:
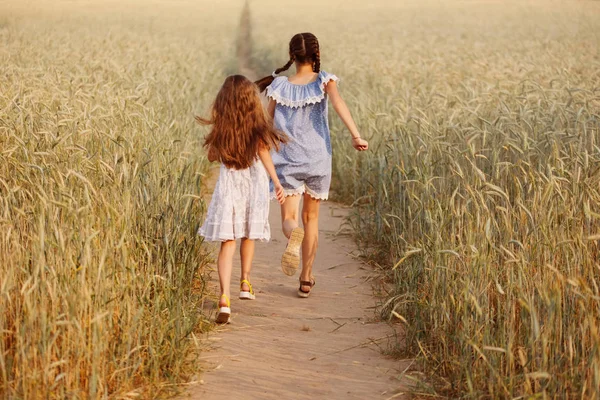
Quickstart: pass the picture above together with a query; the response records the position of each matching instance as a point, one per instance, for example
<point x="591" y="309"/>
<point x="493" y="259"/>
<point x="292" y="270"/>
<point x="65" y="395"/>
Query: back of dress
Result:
<point x="304" y="163"/>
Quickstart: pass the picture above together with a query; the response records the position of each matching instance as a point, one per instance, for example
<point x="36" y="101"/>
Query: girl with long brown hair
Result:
<point x="241" y="138"/>
<point x="298" y="105"/>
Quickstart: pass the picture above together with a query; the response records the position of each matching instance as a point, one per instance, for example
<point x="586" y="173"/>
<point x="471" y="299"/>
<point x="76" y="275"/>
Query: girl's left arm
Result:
<point x="339" y="105"/>
<point x="267" y="161"/>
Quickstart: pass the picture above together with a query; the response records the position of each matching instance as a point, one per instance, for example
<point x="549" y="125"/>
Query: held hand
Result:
<point x="360" y="144"/>
<point x="279" y="194"/>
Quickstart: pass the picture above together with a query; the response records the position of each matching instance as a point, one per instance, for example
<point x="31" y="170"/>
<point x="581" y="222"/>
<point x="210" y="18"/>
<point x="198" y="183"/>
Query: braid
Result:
<point x="317" y="64"/>
<point x="285" y="67"/>
<point x="267" y="80"/>
<point x="304" y="48"/>
<point x="311" y="52"/>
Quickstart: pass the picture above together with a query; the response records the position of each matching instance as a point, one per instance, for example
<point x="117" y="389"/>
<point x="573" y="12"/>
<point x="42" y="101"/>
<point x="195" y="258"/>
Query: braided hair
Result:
<point x="304" y="48"/>
<point x="317" y="62"/>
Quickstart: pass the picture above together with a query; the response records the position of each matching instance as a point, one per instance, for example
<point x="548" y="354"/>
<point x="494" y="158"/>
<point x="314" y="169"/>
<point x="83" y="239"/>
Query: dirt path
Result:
<point x="244" y="44"/>
<point x="279" y="346"/>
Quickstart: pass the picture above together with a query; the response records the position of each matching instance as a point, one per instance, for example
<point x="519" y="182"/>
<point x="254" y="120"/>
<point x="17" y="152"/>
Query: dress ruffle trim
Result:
<point x="223" y="231"/>
<point x="294" y="96"/>
<point x="301" y="190"/>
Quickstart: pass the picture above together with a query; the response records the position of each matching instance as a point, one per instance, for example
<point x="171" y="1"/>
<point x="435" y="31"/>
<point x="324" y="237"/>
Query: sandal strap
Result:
<point x="247" y="282"/>
<point x="310" y="283"/>
<point x="226" y="299"/>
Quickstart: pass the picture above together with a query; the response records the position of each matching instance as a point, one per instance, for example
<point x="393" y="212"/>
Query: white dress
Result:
<point x="239" y="207"/>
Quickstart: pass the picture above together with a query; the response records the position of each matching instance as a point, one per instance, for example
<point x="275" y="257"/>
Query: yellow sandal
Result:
<point x="224" y="312"/>
<point x="244" y="295"/>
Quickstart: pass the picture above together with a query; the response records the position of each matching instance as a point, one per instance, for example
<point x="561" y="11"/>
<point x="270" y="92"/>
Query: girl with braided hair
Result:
<point x="298" y="105"/>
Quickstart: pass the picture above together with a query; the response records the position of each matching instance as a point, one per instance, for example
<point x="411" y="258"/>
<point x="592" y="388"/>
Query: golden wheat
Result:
<point x="101" y="272"/>
<point x="480" y="197"/>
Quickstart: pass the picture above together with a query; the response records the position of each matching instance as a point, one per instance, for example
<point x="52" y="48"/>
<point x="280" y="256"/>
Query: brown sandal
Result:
<point x="302" y="293"/>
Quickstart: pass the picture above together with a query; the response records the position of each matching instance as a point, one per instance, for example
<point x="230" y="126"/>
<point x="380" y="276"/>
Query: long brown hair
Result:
<point x="304" y="48"/>
<point x="240" y="125"/>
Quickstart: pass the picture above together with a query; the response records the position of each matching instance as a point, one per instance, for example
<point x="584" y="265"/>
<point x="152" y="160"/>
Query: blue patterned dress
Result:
<point x="304" y="163"/>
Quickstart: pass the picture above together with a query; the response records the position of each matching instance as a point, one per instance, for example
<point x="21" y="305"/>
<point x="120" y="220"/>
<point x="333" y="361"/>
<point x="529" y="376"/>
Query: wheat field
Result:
<point x="480" y="197"/>
<point x="479" y="201"/>
<point x="101" y="273"/>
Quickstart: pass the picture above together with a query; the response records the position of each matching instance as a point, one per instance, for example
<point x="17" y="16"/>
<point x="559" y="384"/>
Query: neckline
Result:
<point x="303" y="84"/>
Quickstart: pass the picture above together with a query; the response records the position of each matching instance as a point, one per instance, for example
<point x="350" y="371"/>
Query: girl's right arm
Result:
<point x="267" y="161"/>
<point x="339" y="105"/>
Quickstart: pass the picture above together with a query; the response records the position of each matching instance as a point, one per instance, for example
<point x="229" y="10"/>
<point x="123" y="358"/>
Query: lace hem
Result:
<point x="302" y="190"/>
<point x="298" y="103"/>
<point x="317" y="196"/>
<point x="282" y="91"/>
<point x="289" y="192"/>
<point x="221" y="232"/>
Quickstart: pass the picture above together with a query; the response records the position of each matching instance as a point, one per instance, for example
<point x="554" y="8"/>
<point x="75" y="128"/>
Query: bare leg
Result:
<point x="247" y="255"/>
<point x="289" y="214"/>
<point x="310" y="219"/>
<point x="225" y="265"/>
